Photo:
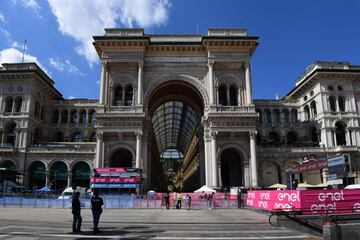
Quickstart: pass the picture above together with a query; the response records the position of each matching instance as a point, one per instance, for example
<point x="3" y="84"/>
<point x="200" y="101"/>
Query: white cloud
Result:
<point x="67" y="66"/>
<point x="83" y="19"/>
<point x="2" y="18"/>
<point x="12" y="55"/>
<point x="6" y="34"/>
<point x="31" y="4"/>
<point x="71" y="97"/>
<point x="17" y="45"/>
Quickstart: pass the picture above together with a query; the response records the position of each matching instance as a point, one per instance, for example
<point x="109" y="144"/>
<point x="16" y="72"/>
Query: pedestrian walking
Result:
<point x="167" y="200"/>
<point x="210" y="201"/>
<point x="96" y="208"/>
<point x="240" y="200"/>
<point x="179" y="199"/>
<point x="188" y="201"/>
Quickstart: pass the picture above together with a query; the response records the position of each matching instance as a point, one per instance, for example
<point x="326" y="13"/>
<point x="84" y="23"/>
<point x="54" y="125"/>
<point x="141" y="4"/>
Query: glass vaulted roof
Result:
<point x="173" y="124"/>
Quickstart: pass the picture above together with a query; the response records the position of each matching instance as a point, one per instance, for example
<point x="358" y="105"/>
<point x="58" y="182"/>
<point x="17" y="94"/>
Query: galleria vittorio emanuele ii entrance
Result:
<point x="178" y="108"/>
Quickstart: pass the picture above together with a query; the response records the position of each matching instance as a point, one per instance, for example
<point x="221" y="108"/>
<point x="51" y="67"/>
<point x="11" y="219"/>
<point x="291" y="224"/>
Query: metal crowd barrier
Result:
<point x="52" y="201"/>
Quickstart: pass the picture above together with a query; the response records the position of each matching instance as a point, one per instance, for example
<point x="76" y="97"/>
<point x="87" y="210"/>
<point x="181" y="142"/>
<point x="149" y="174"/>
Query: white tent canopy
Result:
<point x="204" y="189"/>
<point x="353" y="186"/>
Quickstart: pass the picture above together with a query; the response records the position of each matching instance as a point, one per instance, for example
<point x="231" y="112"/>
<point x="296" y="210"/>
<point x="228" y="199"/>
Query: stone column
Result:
<point x="140" y="83"/>
<point x="246" y="174"/>
<point x="207" y="159"/>
<point x="347" y="138"/>
<point x="69" y="180"/>
<point x="47" y="179"/>
<point x="211" y="81"/>
<point x="334" y="138"/>
<point x="99" y="149"/>
<point x="253" y="163"/>
<point x="219" y="172"/>
<point x="102" y="83"/>
<point x="138" y="149"/>
<point x="248" y="83"/>
<point x="214" y="159"/>
<point x="239" y="97"/>
<point x="24" y="139"/>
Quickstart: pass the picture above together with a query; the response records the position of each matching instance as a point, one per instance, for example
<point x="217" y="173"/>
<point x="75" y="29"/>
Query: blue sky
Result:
<point x="293" y="34"/>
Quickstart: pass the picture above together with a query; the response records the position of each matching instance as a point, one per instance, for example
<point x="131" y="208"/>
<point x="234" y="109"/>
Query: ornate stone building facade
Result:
<point x="180" y="107"/>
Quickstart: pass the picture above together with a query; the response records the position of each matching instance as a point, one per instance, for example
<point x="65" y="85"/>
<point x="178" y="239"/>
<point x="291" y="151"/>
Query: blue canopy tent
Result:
<point x="45" y="189"/>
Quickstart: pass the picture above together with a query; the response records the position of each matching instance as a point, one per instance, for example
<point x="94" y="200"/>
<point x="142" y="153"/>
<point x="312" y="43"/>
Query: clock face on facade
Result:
<point x="10" y="89"/>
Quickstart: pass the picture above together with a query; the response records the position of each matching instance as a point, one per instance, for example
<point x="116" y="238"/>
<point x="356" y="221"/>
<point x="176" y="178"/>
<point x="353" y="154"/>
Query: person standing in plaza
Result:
<point x="188" y="201"/>
<point x="96" y="208"/>
<point x="167" y="200"/>
<point x="179" y="199"/>
<point x="76" y="211"/>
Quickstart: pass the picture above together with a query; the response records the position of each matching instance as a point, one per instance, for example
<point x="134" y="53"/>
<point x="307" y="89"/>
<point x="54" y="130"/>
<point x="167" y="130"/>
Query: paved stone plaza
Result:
<point x="41" y="223"/>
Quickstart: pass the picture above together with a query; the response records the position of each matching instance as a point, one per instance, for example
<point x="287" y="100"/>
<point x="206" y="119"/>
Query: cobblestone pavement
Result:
<point x="43" y="223"/>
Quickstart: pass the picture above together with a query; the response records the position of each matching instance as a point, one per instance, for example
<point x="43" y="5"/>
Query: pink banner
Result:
<point x="101" y="170"/>
<point x="306" y="201"/>
<point x="115" y="180"/>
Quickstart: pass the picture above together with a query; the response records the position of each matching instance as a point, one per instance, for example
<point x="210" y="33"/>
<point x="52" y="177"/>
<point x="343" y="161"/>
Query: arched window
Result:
<point x="37" y="109"/>
<point x="332" y="103"/>
<point x="276" y="116"/>
<point x="274" y="137"/>
<point x="10" y="134"/>
<point x="291" y="138"/>
<point x="294" y="115"/>
<point x="314" y="135"/>
<point x="77" y="137"/>
<point x="222" y="95"/>
<point x="18" y="104"/>
<point x="118" y="96"/>
<point x="260" y="120"/>
<point x="307" y="113"/>
<point x="92" y="137"/>
<point x="42" y="113"/>
<point x="37" y="136"/>
<point x="267" y="116"/>
<point x="55" y="117"/>
<point x="82" y="119"/>
<point x="286" y="116"/>
<point x="59" y="137"/>
<point x="129" y="96"/>
<point x="64" y="116"/>
<point x="233" y="96"/>
<point x="313" y="108"/>
<point x="340" y="133"/>
<point x="341" y="102"/>
<point x="91" y="116"/>
<point x="9" y="104"/>
<point x="74" y="116"/>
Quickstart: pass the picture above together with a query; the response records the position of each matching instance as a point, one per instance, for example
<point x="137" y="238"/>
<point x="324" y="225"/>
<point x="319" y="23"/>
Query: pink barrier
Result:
<point x="306" y="201"/>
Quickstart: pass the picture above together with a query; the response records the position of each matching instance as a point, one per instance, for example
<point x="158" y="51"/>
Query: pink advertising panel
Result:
<point x="115" y="180"/>
<point x="307" y="201"/>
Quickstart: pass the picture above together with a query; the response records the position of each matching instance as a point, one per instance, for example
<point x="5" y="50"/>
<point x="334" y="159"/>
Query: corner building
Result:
<point x="179" y="107"/>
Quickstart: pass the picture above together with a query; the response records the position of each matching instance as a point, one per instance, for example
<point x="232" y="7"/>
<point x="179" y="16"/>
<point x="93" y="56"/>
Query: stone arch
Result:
<point x="37" y="174"/>
<point x="232" y="167"/>
<point x="229" y="79"/>
<point x="116" y="147"/>
<point x="8" y="163"/>
<point x="121" y="80"/>
<point x="194" y="82"/>
<point x="58" y="174"/>
<point x="80" y="173"/>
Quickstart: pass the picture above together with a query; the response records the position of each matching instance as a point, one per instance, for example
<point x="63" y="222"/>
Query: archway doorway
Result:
<point x="231" y="168"/>
<point x="121" y="158"/>
<point x="175" y="110"/>
<point x="8" y="165"/>
<point x="58" y="175"/>
<point x="37" y="173"/>
<point x="81" y="175"/>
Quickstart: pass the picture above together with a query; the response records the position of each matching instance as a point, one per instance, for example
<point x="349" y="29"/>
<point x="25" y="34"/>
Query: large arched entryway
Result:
<point x="37" y="172"/>
<point x="175" y="110"/>
<point x="231" y="168"/>
<point x="8" y="165"/>
<point x="121" y="158"/>
<point x="81" y="175"/>
<point x="58" y="175"/>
